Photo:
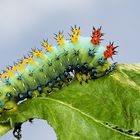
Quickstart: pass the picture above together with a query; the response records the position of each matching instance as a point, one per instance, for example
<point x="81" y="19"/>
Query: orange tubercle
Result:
<point x="96" y="36"/>
<point x="110" y="50"/>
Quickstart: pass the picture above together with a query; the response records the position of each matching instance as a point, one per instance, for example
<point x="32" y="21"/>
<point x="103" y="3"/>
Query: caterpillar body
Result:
<point x="38" y="74"/>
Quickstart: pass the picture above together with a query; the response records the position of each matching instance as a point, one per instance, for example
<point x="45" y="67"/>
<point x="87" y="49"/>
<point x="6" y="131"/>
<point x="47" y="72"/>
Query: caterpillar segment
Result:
<point x="44" y="70"/>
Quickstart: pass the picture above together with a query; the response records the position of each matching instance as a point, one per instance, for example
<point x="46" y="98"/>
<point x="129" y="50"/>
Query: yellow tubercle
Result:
<point x="47" y="46"/>
<point x="35" y="53"/>
<point x="3" y="76"/>
<point x="31" y="60"/>
<point x="10" y="73"/>
<point x="21" y="67"/>
<point x="74" y="39"/>
<point x="14" y="68"/>
<point x="40" y="54"/>
<point x="25" y="61"/>
<point x="76" y="31"/>
<point x="60" y="39"/>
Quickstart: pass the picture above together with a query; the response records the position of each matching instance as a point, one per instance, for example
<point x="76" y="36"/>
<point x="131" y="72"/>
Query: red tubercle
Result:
<point x="110" y="50"/>
<point x="95" y="40"/>
<point x="96" y="36"/>
<point x="97" y="32"/>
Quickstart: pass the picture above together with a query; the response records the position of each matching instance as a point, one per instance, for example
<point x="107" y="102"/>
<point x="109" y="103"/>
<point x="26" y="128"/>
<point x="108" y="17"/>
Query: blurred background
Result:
<point x="25" y="23"/>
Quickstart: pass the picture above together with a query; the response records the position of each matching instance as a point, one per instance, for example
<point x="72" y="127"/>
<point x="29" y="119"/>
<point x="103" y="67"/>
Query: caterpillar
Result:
<point x="43" y="70"/>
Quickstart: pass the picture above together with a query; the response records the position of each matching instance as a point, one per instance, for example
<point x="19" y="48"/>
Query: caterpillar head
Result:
<point x="6" y="98"/>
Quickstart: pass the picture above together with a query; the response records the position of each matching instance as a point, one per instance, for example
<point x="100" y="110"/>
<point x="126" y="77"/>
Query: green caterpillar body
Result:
<point x="80" y="58"/>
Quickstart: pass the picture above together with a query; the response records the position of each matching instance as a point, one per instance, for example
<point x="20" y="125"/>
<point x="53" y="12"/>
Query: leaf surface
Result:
<point x="88" y="111"/>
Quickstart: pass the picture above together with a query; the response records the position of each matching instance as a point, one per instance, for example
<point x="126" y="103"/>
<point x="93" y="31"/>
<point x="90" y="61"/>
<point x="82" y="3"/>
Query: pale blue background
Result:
<point x="24" y="24"/>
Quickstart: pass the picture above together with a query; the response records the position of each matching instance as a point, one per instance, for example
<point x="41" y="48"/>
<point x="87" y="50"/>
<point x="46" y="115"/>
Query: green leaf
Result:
<point x="88" y="111"/>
